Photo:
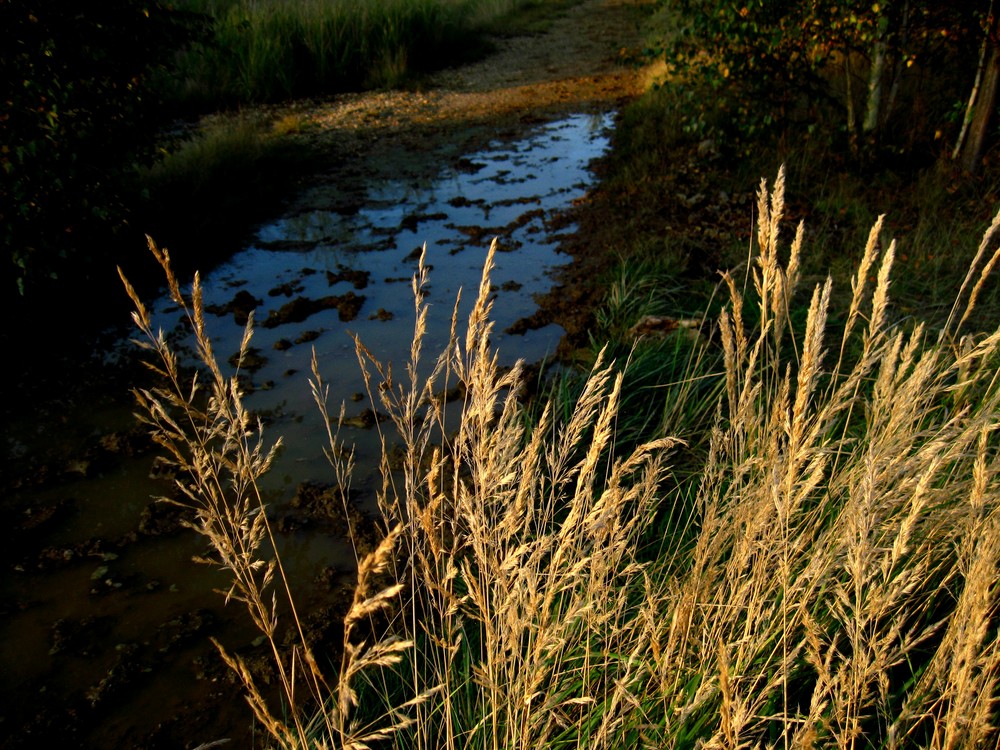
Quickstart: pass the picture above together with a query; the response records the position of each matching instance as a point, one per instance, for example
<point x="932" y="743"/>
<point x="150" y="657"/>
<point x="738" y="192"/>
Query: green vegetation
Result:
<point x="774" y="526"/>
<point x="880" y="76"/>
<point x="748" y="86"/>
<point x="233" y="166"/>
<point x="767" y="514"/>
<point x="274" y="50"/>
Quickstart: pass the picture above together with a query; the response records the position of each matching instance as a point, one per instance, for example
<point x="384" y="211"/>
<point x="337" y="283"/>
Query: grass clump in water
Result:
<point x="830" y="582"/>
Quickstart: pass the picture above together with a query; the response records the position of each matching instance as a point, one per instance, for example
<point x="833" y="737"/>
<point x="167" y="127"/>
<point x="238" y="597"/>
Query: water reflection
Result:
<point x="509" y="190"/>
<point x="105" y="620"/>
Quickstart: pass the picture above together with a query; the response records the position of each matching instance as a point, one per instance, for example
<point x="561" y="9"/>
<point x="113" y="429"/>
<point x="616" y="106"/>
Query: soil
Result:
<point x="584" y="62"/>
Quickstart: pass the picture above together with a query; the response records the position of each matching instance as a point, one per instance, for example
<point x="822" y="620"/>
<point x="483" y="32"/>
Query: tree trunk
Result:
<point x="900" y="61"/>
<point x="972" y="150"/>
<point x="852" y="117"/>
<point x="873" y="110"/>
<point x="968" y="149"/>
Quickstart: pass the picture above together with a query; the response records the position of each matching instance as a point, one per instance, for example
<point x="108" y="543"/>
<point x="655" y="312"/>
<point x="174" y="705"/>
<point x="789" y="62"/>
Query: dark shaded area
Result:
<point x="81" y="110"/>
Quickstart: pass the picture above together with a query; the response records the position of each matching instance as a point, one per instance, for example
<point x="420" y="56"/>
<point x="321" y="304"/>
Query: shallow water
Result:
<point x="511" y="191"/>
<point x="126" y="596"/>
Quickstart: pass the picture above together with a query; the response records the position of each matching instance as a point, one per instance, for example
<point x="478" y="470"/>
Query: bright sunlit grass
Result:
<point x="830" y="582"/>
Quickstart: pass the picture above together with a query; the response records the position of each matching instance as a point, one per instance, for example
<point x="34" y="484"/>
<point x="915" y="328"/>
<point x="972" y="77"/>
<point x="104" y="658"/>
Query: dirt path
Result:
<point x="581" y="63"/>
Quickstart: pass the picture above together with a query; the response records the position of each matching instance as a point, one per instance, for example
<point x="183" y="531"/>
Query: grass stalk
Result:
<point x="832" y="583"/>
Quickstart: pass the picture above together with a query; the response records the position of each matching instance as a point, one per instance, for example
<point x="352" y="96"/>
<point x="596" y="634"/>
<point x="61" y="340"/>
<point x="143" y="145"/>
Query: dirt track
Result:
<point x="580" y="63"/>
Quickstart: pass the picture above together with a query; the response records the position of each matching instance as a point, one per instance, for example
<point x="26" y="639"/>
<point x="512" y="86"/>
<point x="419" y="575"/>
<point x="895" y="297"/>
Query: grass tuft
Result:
<point x="268" y="50"/>
<point x="830" y="581"/>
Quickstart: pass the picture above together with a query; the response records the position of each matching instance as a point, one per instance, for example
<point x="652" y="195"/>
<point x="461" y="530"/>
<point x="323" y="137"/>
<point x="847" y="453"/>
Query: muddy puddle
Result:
<point x="105" y="619"/>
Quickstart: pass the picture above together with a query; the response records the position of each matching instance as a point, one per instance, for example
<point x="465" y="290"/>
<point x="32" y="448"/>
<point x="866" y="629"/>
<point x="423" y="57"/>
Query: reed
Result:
<point x="830" y="583"/>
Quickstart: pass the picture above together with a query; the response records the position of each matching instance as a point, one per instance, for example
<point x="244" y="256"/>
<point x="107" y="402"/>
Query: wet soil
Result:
<point x="63" y="683"/>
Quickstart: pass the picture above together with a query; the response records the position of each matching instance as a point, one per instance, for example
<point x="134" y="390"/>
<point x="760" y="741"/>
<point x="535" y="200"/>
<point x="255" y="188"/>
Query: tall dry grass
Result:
<point x="841" y="587"/>
<point x="834" y="584"/>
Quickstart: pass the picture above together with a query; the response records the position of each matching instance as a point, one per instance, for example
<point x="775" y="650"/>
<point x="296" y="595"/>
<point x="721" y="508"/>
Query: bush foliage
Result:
<point x="78" y="113"/>
<point x="893" y="74"/>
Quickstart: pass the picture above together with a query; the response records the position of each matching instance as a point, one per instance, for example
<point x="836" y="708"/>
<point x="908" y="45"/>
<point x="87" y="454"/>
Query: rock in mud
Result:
<point x="411" y="222"/>
<point x="325" y="505"/>
<point x="122" y="672"/>
<point x="40" y="518"/>
<point x="80" y="637"/>
<point x="306" y="336"/>
<point x="286" y="290"/>
<point x="183" y="629"/>
<point x="357" y="279"/>
<point x="159" y="518"/>
<point x="251" y="360"/>
<point x="240" y="306"/>
<point x="300" y="308"/>
<point x="367" y="419"/>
